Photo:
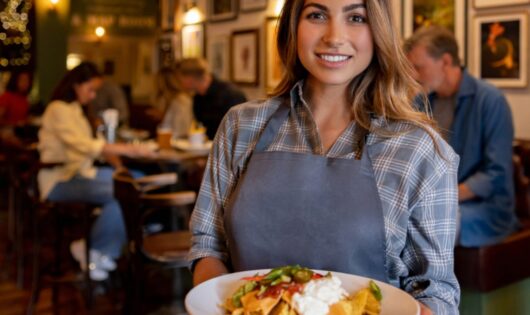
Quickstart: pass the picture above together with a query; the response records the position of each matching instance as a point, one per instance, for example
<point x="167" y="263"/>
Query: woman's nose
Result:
<point x="334" y="35"/>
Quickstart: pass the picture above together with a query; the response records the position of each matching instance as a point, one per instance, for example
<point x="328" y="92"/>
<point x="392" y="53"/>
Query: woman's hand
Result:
<point x="208" y="268"/>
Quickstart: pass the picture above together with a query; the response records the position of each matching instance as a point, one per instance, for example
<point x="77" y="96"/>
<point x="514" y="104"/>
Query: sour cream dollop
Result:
<point x="318" y="295"/>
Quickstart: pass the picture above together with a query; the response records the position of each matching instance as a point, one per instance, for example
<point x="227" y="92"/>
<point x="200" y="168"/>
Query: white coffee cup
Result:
<point x="196" y="139"/>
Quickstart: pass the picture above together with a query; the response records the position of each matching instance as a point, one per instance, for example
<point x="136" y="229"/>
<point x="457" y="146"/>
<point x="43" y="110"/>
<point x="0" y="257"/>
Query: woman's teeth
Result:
<point x="334" y="58"/>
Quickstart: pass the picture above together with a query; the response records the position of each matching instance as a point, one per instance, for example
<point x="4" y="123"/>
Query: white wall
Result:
<point x="519" y="99"/>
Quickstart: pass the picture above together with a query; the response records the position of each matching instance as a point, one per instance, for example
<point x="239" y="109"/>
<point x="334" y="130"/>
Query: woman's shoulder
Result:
<point x="416" y="144"/>
<point x="254" y="110"/>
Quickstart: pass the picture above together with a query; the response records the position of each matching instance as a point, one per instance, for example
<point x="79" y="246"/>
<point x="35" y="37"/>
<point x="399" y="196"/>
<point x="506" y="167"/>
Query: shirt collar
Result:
<point x="467" y="85"/>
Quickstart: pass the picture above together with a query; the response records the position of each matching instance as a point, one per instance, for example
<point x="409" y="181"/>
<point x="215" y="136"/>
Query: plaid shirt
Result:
<point x="417" y="187"/>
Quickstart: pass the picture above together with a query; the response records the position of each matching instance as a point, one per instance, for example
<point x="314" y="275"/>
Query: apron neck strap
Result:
<point x="274" y="124"/>
<point x="279" y="116"/>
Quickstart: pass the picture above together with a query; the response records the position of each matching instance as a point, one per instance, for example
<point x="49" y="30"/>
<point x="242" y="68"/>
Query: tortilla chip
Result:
<point x="283" y="308"/>
<point x="373" y="306"/>
<point x="253" y="305"/>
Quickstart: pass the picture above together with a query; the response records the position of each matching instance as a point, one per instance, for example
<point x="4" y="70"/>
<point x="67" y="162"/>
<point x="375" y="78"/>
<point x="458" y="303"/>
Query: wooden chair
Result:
<point x="139" y="200"/>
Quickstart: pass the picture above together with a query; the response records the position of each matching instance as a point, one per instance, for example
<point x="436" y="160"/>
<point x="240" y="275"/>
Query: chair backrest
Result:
<point x="127" y="192"/>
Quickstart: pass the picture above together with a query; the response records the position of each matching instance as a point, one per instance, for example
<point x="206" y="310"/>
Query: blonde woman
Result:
<point x="174" y="102"/>
<point x="338" y="171"/>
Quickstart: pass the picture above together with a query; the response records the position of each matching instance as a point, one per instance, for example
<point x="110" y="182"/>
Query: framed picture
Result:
<point x="501" y="52"/>
<point x="447" y="13"/>
<point x="244" y="57"/>
<point x="193" y="40"/>
<point x="168" y="9"/>
<point x="273" y="66"/>
<point x="496" y="3"/>
<point x="253" y="5"/>
<point x="219" y="56"/>
<point x="220" y="10"/>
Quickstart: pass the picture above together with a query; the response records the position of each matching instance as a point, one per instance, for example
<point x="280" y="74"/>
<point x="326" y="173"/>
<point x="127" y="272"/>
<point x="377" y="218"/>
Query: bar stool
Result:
<point x="62" y="215"/>
<point x="139" y="199"/>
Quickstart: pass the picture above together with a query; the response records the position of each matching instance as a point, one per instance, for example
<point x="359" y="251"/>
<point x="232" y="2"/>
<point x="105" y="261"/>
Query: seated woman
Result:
<point x="66" y="137"/>
<point x="14" y="105"/>
<point x="175" y="102"/>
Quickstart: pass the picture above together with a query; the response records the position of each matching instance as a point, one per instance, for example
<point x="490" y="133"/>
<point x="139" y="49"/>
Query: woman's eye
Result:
<point x="315" y="16"/>
<point x="357" y="19"/>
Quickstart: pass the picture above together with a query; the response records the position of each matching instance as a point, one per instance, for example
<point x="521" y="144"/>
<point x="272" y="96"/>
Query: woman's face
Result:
<point x="335" y="41"/>
<point x="86" y="91"/>
<point x="23" y="83"/>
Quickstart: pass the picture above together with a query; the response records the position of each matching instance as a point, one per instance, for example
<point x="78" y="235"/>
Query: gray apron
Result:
<point x="318" y="212"/>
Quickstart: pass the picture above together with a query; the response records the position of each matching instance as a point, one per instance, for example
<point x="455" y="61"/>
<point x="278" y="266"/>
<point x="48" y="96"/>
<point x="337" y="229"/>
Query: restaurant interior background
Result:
<point x="132" y="39"/>
<point x="137" y="36"/>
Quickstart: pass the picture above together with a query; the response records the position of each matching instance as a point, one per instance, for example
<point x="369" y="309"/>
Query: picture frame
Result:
<point x="503" y="59"/>
<point x="273" y="66"/>
<point x="193" y="40"/>
<point x="252" y="5"/>
<point x="244" y="57"/>
<point x="168" y="10"/>
<point x="417" y="13"/>
<point x="479" y="4"/>
<point x="219" y="56"/>
<point x="222" y="10"/>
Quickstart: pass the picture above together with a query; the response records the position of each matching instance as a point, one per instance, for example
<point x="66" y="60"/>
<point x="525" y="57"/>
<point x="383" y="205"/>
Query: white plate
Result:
<point x="185" y="145"/>
<point x="206" y="298"/>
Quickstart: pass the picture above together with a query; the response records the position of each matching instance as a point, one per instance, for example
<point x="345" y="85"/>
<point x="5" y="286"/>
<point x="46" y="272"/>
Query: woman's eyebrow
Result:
<point x="353" y="7"/>
<point x="316" y="5"/>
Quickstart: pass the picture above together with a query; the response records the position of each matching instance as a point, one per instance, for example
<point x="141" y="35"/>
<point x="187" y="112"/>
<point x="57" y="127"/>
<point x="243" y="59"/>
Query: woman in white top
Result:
<point x="66" y="137"/>
<point x="176" y="103"/>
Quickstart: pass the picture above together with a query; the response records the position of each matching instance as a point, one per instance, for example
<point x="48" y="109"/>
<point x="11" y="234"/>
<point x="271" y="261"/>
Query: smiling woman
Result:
<point x="286" y="176"/>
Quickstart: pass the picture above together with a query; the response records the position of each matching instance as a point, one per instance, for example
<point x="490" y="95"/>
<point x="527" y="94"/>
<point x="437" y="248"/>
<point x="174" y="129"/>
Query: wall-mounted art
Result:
<point x="221" y="10"/>
<point x="244" y="57"/>
<point x="448" y="13"/>
<point x="193" y="40"/>
<point x="501" y="49"/>
<point x="219" y="56"/>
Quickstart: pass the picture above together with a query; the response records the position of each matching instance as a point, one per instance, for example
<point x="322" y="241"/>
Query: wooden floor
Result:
<point x="14" y="299"/>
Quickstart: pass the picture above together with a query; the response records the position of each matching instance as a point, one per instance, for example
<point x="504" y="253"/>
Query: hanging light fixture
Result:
<point x="192" y="15"/>
<point x="100" y="31"/>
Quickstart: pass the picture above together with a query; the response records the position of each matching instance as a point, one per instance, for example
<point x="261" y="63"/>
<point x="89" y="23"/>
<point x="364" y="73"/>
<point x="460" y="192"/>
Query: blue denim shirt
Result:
<point x="482" y="135"/>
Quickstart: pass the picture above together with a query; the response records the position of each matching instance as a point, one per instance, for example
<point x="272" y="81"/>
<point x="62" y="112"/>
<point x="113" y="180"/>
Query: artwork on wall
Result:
<point x="244" y="57"/>
<point x="220" y="10"/>
<point x="448" y="13"/>
<point x="496" y="3"/>
<point x="501" y="51"/>
<point x="273" y="65"/>
<point x="252" y="5"/>
<point x="193" y="40"/>
<point x="219" y="56"/>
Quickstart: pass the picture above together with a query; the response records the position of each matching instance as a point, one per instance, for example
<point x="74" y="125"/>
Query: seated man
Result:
<point x="475" y="119"/>
<point x="213" y="97"/>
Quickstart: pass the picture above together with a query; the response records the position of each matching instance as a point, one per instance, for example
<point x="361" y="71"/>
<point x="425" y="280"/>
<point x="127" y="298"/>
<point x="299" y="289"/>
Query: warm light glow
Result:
<point x="100" y="31"/>
<point x="192" y="16"/>
<point x="72" y="60"/>
<point x="279" y="6"/>
<point x="54" y="2"/>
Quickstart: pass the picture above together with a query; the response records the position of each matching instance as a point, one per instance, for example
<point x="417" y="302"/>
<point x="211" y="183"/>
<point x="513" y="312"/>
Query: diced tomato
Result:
<point x="253" y="278"/>
<point x="316" y="276"/>
<point x="295" y="288"/>
<point x="275" y="291"/>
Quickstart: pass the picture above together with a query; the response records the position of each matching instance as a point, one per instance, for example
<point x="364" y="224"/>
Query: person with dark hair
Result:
<point x="476" y="120"/>
<point x="14" y="105"/>
<point x="338" y="170"/>
<point x="66" y="138"/>
<point x="213" y="97"/>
